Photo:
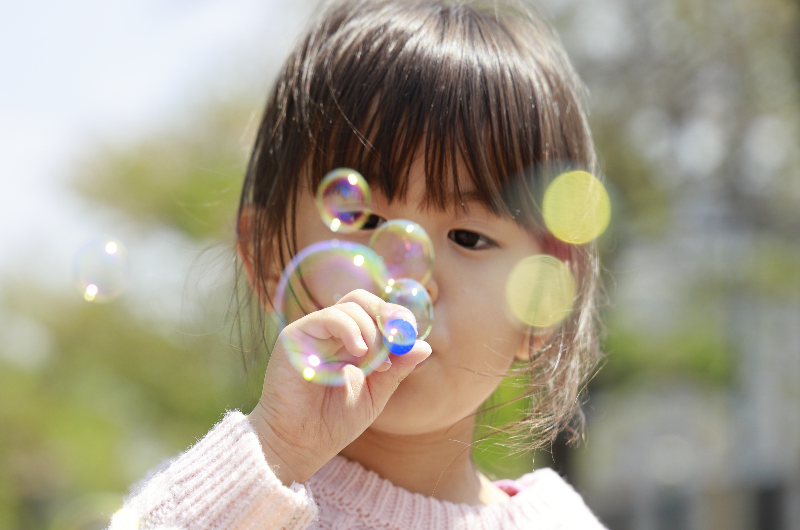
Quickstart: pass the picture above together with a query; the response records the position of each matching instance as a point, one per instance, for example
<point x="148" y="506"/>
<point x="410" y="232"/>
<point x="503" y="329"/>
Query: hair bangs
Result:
<point x="387" y="88"/>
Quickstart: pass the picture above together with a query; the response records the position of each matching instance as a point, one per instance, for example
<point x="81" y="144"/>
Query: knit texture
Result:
<point x="225" y="482"/>
<point x="222" y="482"/>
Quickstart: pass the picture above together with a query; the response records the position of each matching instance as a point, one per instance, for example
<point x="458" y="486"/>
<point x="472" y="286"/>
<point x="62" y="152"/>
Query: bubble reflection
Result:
<point x="343" y="199"/>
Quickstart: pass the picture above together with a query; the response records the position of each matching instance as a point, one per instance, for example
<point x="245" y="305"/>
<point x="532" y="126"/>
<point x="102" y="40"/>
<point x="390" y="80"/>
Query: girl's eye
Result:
<point x="470" y="240"/>
<point x="373" y="221"/>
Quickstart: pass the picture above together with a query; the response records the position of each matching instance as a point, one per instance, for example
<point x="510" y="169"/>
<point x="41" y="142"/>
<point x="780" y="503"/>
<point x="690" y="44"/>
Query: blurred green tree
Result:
<point x="106" y="395"/>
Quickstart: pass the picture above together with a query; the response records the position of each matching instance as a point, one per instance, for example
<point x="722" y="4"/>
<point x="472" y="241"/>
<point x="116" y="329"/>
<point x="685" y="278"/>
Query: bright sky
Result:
<point x="73" y="73"/>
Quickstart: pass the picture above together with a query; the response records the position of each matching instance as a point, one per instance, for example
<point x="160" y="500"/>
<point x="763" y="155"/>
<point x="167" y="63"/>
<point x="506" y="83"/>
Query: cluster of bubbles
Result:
<point x="101" y="270"/>
<point x="398" y="260"/>
<point x="541" y="289"/>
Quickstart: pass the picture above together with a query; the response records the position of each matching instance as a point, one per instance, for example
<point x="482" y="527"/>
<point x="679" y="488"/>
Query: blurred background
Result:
<point x="133" y="120"/>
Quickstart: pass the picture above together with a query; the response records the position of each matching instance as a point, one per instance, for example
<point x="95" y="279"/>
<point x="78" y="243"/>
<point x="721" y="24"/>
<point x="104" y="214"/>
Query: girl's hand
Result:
<point x="302" y="425"/>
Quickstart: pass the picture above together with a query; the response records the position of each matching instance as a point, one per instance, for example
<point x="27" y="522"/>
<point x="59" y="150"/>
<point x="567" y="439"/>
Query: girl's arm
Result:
<point x="224" y="481"/>
<point x="247" y="471"/>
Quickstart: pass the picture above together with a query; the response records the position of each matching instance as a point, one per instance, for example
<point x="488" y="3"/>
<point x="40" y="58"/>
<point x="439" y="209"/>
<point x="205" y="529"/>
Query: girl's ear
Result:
<point x="534" y="340"/>
<point x="263" y="281"/>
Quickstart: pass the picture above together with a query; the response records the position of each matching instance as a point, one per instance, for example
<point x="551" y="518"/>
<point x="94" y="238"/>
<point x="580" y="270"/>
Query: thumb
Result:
<point x="383" y="384"/>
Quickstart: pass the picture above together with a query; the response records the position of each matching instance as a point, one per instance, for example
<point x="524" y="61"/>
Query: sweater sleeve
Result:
<point x="223" y="482"/>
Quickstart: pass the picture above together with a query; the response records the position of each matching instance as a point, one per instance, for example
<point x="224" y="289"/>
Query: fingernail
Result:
<point x="362" y="344"/>
<point x="387" y="361"/>
<point x="407" y="316"/>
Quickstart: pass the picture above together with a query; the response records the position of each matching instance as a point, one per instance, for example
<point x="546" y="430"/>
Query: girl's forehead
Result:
<point x="466" y="201"/>
<point x="469" y="206"/>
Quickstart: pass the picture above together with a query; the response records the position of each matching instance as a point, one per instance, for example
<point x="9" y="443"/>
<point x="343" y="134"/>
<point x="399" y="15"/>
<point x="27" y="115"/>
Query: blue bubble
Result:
<point x="399" y="336"/>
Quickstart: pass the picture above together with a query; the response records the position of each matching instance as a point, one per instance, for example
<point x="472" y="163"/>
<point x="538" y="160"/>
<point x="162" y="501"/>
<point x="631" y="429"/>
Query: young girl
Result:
<point x="457" y="114"/>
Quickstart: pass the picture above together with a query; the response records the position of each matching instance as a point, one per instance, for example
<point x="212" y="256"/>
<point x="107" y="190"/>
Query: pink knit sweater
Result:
<point x="225" y="482"/>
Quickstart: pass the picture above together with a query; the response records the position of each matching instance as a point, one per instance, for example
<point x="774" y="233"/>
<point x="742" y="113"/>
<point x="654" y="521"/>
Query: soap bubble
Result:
<point x="413" y="296"/>
<point x="316" y="278"/>
<point x="101" y="270"/>
<point x="399" y="336"/>
<point x="326" y="367"/>
<point x="406" y="249"/>
<point x="576" y="207"/>
<point x="322" y="273"/>
<point x="540" y="291"/>
<point x="343" y="200"/>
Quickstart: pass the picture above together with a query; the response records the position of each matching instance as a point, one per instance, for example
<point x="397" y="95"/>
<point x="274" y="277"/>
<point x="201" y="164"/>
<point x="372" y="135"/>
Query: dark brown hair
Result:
<point x="466" y="84"/>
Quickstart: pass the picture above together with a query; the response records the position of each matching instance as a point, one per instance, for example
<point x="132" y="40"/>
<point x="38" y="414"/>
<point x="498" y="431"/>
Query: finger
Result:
<point x="384" y="383"/>
<point x="332" y="322"/>
<point x="385" y="365"/>
<point x="369" y="328"/>
<point x="380" y="310"/>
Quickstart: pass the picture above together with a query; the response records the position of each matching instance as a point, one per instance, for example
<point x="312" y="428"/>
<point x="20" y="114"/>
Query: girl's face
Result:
<point x="473" y="340"/>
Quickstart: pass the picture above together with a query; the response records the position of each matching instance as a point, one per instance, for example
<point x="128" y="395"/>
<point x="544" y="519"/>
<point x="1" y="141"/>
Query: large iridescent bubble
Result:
<point x="101" y="270"/>
<point x="322" y="273"/>
<point x="343" y="200"/>
<point x="406" y="249"/>
<point x="316" y="278"/>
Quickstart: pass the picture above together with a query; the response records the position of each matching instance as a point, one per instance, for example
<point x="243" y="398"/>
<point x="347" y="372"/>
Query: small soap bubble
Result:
<point x="406" y="249"/>
<point x="540" y="290"/>
<point x="576" y="207"/>
<point x="399" y="336"/>
<point x="413" y="296"/>
<point x="343" y="200"/>
<point x="313" y="280"/>
<point x="101" y="270"/>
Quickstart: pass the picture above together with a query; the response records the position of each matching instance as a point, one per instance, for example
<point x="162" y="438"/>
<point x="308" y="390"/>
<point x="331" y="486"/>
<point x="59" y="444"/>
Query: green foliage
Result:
<point x="112" y="399"/>
<point x="501" y="451"/>
<point x="638" y="203"/>
<point x="188" y="180"/>
<point x="772" y="269"/>
<point x="694" y="352"/>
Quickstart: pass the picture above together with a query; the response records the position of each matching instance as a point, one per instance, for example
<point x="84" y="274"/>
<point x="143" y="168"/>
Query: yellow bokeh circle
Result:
<point x="576" y="207"/>
<point x="540" y="291"/>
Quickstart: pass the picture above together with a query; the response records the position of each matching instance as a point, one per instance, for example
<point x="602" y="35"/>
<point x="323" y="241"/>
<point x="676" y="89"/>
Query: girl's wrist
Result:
<point x="279" y="454"/>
